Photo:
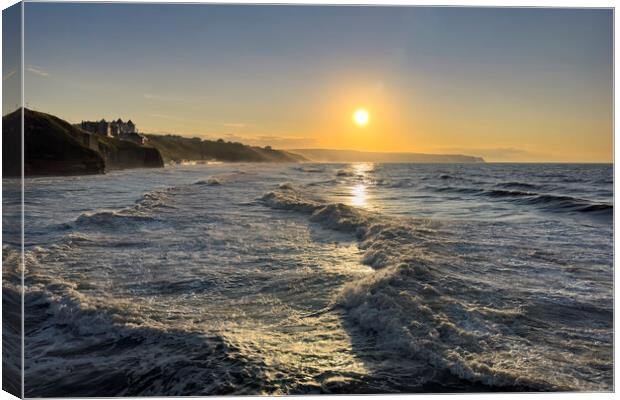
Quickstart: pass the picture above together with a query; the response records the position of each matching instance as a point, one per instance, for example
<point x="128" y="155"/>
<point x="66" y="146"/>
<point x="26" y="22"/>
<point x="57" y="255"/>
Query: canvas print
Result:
<point x="230" y="199"/>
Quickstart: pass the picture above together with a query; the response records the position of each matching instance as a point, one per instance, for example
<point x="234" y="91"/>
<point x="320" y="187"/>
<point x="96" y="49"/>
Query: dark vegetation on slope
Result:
<point x="176" y="148"/>
<point x="119" y="154"/>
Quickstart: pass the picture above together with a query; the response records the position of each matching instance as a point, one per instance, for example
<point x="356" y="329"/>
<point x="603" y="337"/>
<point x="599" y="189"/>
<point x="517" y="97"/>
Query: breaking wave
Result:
<point x="220" y="179"/>
<point x="548" y="202"/>
<point x="142" y="211"/>
<point x="124" y="352"/>
<point x="444" y="306"/>
<point x="418" y="304"/>
<point x="111" y="217"/>
<point x="11" y="320"/>
<point x="555" y="203"/>
<point x="209" y="182"/>
<point x="313" y="169"/>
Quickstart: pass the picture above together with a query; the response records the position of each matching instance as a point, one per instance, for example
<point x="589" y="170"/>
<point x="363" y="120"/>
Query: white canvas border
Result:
<point x="478" y="3"/>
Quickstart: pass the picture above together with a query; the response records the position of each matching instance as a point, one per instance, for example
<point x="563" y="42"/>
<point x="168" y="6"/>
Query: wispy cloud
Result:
<point x="37" y="70"/>
<point x="9" y="75"/>
<point x="157" y="97"/>
<point x="233" y="124"/>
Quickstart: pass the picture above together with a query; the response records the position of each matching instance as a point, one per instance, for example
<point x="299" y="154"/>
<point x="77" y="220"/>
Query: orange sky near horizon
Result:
<point x="522" y="85"/>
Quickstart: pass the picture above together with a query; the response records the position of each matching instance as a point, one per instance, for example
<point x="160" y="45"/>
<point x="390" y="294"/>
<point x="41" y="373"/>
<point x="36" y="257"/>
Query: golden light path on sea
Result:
<point x="359" y="197"/>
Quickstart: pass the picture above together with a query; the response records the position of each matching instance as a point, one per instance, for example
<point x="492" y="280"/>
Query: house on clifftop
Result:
<point x="116" y="129"/>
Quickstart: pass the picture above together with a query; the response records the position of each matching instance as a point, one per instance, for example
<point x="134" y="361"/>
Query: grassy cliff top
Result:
<point x="177" y="148"/>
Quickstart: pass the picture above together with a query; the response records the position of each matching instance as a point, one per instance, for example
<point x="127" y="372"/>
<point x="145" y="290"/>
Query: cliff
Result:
<point x="55" y="147"/>
<point x="177" y="148"/>
<point x="49" y="147"/>
<point x="328" y="155"/>
<point x="120" y="154"/>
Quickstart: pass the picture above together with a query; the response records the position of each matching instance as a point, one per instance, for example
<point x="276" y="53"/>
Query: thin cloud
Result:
<point x="233" y="124"/>
<point x="37" y="70"/>
<point x="9" y="75"/>
<point x="157" y="97"/>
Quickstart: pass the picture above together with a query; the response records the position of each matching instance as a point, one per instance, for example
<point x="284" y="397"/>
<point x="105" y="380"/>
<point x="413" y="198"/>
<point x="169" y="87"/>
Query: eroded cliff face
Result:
<point x="120" y="154"/>
<point x="55" y="147"/>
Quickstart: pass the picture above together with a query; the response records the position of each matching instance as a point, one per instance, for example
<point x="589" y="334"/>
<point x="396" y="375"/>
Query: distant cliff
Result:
<point x="55" y="147"/>
<point x="327" y="155"/>
<point x="178" y="148"/>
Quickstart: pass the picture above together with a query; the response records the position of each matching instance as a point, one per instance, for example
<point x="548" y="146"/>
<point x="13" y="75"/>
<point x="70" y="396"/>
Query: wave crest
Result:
<point x="115" y="348"/>
<point x="112" y="218"/>
<point x="548" y="202"/>
<point x="209" y="182"/>
<point x="416" y="305"/>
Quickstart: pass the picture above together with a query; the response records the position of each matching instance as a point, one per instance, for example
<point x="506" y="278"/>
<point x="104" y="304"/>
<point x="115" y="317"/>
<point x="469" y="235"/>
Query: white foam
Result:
<point x="419" y="307"/>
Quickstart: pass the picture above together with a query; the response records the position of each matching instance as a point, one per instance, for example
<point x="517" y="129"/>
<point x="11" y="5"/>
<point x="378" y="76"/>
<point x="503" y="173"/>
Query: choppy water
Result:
<point x="356" y="278"/>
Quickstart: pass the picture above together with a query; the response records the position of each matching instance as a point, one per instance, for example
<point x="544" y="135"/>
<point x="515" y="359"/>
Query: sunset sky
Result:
<point x="505" y="84"/>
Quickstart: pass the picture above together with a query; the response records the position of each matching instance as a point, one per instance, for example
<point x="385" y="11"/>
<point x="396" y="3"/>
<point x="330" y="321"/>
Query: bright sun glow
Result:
<point x="361" y="117"/>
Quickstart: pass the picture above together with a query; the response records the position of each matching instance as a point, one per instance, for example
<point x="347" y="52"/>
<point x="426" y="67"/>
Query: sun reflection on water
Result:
<point x="359" y="197"/>
<point x="358" y="193"/>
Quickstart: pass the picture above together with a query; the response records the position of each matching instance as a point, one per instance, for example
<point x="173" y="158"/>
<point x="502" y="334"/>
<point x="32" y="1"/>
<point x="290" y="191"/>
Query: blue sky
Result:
<point x="532" y="83"/>
<point x="11" y="56"/>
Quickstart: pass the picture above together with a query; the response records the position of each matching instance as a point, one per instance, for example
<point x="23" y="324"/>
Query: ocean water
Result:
<point x="316" y="278"/>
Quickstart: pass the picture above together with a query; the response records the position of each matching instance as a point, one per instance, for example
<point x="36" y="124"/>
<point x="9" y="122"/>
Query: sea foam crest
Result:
<point x="112" y="217"/>
<point x="142" y="211"/>
<point x="209" y="182"/>
<point x="556" y="203"/>
<point x="418" y="307"/>
<point x="220" y="179"/>
<point x="116" y="348"/>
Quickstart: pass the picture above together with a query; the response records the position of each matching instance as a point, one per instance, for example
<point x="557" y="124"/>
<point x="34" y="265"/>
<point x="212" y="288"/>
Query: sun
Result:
<point x="361" y="117"/>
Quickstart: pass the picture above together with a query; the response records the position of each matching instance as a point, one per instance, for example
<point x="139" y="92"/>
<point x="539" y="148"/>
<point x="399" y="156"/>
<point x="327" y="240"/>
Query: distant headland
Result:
<point x="329" y="155"/>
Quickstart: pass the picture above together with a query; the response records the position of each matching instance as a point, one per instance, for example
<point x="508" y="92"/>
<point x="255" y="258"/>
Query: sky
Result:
<point x="11" y="59"/>
<point x="506" y="84"/>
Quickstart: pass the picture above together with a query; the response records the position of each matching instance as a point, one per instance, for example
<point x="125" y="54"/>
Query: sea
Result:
<point x="314" y="278"/>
